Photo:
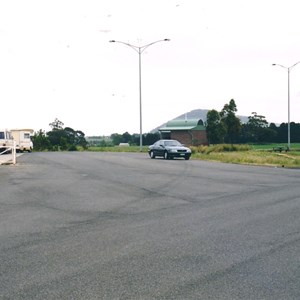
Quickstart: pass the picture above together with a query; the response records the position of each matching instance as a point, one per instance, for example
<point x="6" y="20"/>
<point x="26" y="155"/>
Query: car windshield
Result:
<point x="172" y="143"/>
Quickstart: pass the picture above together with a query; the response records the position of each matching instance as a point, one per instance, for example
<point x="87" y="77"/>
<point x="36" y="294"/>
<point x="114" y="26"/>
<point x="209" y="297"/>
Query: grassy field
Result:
<point x="262" y="155"/>
<point x="254" y="157"/>
<point x="294" y="147"/>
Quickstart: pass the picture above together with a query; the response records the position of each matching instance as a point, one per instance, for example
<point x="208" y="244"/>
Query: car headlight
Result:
<point x="172" y="150"/>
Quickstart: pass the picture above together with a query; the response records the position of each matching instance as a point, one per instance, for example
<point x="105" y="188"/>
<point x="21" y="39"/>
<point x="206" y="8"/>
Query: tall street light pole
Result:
<point x="140" y="50"/>
<point x="289" y="127"/>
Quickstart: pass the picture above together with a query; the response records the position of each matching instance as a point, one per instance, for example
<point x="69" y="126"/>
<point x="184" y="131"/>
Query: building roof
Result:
<point x="26" y="129"/>
<point x="188" y="124"/>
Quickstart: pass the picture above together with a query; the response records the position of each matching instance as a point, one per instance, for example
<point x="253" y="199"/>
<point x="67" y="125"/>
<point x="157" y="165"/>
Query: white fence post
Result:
<point x="14" y="151"/>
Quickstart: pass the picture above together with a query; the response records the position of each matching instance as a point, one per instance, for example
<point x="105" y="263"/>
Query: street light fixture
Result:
<point x="289" y="127"/>
<point x="140" y="50"/>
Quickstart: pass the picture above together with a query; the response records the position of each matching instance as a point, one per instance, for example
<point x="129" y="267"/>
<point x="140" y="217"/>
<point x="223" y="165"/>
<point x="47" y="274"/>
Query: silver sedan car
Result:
<point x="168" y="149"/>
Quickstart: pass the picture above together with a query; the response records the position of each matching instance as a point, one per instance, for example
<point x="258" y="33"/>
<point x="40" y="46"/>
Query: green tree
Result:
<point x="65" y="138"/>
<point x="257" y="121"/>
<point x="70" y="135"/>
<point x="257" y="129"/>
<point x="40" y="141"/>
<point x="295" y="132"/>
<point x="231" y="122"/>
<point x="126" y="137"/>
<point x="283" y="132"/>
<point x="214" y="127"/>
<point x="57" y="138"/>
<point x="151" y="138"/>
<point x="116" y="138"/>
<point x="56" y="124"/>
<point x="80" y="139"/>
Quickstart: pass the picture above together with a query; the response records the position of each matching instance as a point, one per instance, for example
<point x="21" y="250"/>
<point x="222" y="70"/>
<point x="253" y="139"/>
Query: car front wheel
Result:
<point x="152" y="155"/>
<point x="166" y="155"/>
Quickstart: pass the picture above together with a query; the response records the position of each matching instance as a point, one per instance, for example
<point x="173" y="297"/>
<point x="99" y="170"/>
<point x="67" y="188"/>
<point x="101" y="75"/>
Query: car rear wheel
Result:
<point x="152" y="155"/>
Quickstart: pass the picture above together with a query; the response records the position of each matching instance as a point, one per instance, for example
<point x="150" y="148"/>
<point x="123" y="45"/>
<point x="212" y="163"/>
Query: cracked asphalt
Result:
<point x="84" y="225"/>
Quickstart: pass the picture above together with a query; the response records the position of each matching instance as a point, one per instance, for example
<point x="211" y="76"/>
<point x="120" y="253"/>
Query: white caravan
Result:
<point x="22" y="137"/>
<point x="6" y="140"/>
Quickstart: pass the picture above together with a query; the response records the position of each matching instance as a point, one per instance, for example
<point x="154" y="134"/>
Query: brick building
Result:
<point x="190" y="132"/>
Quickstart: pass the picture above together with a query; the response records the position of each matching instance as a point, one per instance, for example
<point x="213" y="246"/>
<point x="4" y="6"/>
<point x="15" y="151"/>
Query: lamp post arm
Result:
<point x="135" y="48"/>
<point x="294" y="65"/>
<point x="143" y="48"/>
<point x="288" y="68"/>
<point x="139" y="49"/>
<point x="280" y="66"/>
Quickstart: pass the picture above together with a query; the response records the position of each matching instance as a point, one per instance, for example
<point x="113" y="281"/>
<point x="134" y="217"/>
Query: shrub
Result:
<point x="72" y="148"/>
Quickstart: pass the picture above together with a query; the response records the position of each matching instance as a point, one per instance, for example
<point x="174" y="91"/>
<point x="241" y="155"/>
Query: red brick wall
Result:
<point x="190" y="138"/>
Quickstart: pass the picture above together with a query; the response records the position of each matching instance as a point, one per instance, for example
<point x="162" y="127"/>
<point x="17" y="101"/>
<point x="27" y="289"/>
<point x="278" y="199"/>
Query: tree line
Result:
<point x="226" y="127"/>
<point x="221" y="127"/>
<point x="59" y="138"/>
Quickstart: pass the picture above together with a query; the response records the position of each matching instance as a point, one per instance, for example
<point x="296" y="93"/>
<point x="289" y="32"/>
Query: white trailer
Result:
<point x="22" y="137"/>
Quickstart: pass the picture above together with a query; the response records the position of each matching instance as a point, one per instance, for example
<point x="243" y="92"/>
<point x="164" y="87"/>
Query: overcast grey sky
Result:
<point x="56" y="61"/>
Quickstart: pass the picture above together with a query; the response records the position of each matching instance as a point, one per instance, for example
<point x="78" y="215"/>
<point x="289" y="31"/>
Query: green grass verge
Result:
<point x="262" y="155"/>
<point x="118" y="149"/>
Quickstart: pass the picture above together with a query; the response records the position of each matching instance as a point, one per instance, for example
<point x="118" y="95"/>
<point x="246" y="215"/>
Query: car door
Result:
<point x="160" y="149"/>
<point x="156" y="149"/>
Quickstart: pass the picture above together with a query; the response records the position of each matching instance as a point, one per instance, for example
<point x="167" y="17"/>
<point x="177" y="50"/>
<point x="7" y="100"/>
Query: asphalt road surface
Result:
<point x="122" y="226"/>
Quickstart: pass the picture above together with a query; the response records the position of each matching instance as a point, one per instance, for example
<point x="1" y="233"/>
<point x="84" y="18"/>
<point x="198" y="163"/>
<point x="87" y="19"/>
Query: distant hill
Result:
<point x="195" y="114"/>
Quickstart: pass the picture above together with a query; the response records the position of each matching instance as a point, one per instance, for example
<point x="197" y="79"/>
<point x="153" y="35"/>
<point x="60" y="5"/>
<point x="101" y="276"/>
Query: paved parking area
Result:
<point x="91" y="225"/>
